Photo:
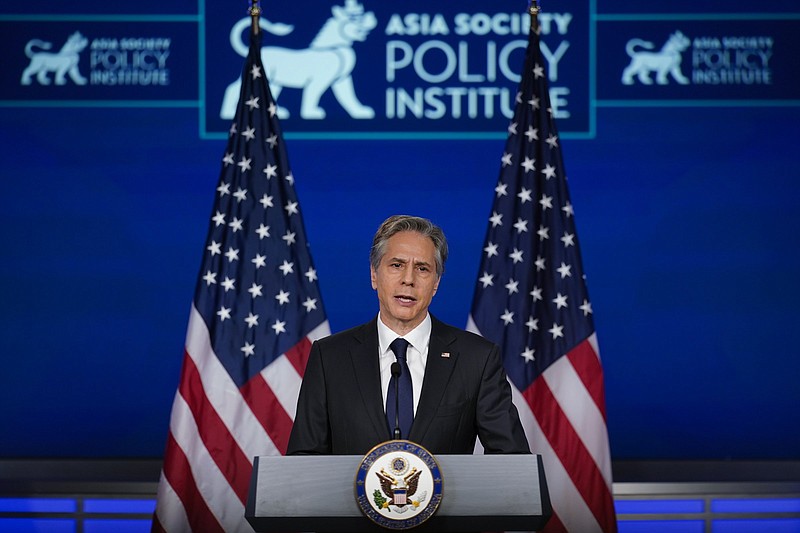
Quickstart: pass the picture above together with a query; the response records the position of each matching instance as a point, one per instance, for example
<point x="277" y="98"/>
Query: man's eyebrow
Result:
<point x="401" y="260"/>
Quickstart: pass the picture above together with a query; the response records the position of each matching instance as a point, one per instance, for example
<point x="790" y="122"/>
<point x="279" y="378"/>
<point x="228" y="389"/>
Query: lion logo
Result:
<point x="665" y="62"/>
<point x="63" y="62"/>
<point x="326" y="64"/>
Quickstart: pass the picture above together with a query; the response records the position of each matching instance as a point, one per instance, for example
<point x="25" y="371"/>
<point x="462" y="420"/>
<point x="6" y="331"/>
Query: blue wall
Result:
<point x="686" y="200"/>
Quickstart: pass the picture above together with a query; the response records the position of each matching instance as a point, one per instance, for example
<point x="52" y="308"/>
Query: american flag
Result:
<point x="531" y="299"/>
<point x="256" y="310"/>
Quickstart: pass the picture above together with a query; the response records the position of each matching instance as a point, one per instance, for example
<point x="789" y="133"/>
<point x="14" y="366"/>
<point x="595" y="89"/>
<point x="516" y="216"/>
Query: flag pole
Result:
<point x="533" y="9"/>
<point x="255" y="12"/>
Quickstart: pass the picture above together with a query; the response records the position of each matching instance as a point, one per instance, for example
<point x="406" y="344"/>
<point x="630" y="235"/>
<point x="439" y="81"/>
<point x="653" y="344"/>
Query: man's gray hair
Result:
<point x="397" y="223"/>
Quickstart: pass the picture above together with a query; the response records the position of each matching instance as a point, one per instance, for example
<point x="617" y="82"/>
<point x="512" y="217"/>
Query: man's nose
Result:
<point x="408" y="276"/>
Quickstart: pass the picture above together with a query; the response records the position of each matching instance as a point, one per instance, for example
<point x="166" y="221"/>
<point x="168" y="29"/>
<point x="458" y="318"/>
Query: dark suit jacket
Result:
<point x="340" y="409"/>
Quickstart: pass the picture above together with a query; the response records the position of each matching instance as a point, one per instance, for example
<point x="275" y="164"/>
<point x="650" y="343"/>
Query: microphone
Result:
<point x="396" y="370"/>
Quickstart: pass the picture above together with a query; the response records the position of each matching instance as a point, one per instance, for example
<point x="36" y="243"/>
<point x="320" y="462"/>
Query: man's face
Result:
<point x="406" y="280"/>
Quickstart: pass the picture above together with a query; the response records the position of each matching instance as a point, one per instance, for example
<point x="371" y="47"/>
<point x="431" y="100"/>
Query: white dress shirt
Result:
<point x="416" y="355"/>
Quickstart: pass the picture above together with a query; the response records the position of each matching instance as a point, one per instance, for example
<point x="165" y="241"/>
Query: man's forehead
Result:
<point x="411" y="246"/>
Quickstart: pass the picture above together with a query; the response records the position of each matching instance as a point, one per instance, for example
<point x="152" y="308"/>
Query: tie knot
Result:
<point x="399" y="347"/>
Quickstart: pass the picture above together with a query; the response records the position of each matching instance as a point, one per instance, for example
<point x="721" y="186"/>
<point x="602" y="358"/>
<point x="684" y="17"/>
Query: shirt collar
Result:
<point x="419" y="337"/>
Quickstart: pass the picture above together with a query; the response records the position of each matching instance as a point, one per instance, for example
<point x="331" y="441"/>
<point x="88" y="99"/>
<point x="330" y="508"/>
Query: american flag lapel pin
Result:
<point x="445" y="354"/>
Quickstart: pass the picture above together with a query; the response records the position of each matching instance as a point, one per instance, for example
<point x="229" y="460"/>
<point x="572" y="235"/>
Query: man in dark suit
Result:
<point x="459" y="386"/>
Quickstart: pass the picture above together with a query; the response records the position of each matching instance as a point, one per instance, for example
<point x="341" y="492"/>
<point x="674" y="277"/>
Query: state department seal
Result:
<point x="398" y="485"/>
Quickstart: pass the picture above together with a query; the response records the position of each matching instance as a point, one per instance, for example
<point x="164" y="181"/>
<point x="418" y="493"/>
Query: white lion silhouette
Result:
<point x="327" y="63"/>
<point x="666" y="61"/>
<point x="64" y="62"/>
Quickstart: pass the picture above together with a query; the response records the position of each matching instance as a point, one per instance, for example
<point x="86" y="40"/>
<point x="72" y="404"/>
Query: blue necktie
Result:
<point x="402" y="385"/>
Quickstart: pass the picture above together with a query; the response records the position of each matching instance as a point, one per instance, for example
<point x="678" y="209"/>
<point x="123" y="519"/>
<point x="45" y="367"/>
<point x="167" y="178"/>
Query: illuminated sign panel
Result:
<point x="417" y="68"/>
<point x="707" y="60"/>
<point x="80" y="61"/>
<point x="378" y="70"/>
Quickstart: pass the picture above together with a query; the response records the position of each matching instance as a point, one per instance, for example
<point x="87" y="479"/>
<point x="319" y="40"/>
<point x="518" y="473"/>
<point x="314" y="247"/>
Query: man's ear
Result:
<point x="372" y="278"/>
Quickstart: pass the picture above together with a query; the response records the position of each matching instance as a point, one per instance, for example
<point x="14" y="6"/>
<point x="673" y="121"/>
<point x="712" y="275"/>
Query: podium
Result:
<point x="316" y="493"/>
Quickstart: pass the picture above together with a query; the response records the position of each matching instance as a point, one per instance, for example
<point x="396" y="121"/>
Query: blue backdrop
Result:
<point x="686" y="198"/>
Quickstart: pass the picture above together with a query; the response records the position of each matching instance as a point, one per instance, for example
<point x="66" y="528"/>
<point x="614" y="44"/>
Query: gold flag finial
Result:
<point x="255" y="13"/>
<point x="533" y="9"/>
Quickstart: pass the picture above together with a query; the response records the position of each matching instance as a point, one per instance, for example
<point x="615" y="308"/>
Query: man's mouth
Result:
<point x="405" y="299"/>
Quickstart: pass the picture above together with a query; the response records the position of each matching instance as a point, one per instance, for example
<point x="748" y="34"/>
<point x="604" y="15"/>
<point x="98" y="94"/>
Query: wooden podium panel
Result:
<point x="317" y="493"/>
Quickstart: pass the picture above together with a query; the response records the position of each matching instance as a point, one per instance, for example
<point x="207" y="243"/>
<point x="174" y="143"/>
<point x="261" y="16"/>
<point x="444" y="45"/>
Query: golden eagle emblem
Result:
<point x="399" y="489"/>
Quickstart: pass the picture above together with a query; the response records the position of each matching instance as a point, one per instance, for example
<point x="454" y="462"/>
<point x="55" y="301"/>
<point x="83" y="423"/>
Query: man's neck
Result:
<point x="402" y="328"/>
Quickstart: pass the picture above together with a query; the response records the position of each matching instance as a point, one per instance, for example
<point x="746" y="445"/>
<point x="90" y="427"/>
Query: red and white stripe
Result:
<point x="216" y="429"/>
<point x="563" y="414"/>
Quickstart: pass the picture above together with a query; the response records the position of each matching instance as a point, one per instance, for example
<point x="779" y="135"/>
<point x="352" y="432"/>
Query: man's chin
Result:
<point x="405" y="315"/>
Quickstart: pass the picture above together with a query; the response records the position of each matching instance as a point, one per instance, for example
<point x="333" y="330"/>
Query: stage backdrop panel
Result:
<point x="679" y="132"/>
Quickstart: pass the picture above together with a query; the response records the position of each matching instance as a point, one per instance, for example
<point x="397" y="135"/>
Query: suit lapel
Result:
<point x="364" y="358"/>
<point x="437" y="373"/>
